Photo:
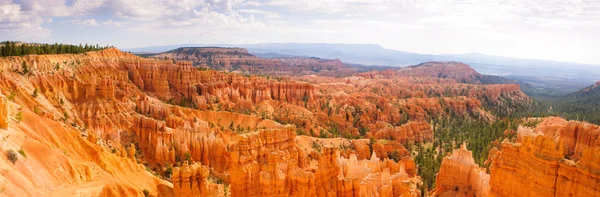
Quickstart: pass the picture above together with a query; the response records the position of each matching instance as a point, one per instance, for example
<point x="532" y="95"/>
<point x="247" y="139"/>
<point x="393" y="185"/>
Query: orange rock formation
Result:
<point x="239" y="60"/>
<point x="460" y="176"/>
<point x="454" y="70"/>
<point x="112" y="117"/>
<point x="556" y="158"/>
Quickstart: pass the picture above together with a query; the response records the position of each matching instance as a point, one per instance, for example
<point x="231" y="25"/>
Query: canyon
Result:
<point x="110" y="123"/>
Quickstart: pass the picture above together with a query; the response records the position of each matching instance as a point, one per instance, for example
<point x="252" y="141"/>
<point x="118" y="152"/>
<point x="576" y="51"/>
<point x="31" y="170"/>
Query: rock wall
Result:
<point x="411" y="132"/>
<point x="526" y="169"/>
<point x="545" y="161"/>
<point x="460" y="176"/>
<point x="192" y="180"/>
<point x="557" y="155"/>
<point x="239" y="60"/>
<point x="455" y="70"/>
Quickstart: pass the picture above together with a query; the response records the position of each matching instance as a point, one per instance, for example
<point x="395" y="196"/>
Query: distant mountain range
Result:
<point x="546" y="76"/>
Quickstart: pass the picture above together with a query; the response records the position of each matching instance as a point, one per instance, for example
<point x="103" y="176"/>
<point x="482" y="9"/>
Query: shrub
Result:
<point x="187" y="156"/>
<point x="35" y="93"/>
<point x="395" y="156"/>
<point x="299" y="131"/>
<point x="315" y="145"/>
<point x="12" y="95"/>
<point x="11" y="155"/>
<point x="362" y="131"/>
<point x="22" y="152"/>
<point x="37" y="110"/>
<point x="19" y="116"/>
<point x="146" y="192"/>
<point x="169" y="171"/>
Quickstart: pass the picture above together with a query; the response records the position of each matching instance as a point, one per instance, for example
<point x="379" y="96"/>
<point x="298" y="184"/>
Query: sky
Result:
<point x="562" y="30"/>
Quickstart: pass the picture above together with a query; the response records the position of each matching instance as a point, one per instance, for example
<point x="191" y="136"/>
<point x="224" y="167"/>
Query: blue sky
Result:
<point x="564" y="30"/>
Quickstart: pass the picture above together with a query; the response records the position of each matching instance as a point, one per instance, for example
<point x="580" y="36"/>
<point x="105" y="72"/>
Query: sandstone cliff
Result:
<point x="460" y="176"/>
<point x="239" y="60"/>
<point x="111" y="117"/>
<point x="558" y="158"/>
<point x="555" y="158"/>
<point x="454" y="70"/>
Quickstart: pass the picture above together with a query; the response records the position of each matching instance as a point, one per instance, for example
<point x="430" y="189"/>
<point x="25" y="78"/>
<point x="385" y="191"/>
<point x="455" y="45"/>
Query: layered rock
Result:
<point x="239" y="60"/>
<point x="174" y="113"/>
<point x="545" y="161"/>
<point x="557" y="155"/>
<point x="411" y="132"/>
<point x="460" y="176"/>
<point x="454" y="70"/>
<point x="518" y="166"/>
<point x="192" y="180"/>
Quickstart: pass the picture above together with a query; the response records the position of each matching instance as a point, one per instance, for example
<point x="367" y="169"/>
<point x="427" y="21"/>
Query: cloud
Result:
<point x="87" y="22"/>
<point x="338" y="6"/>
<point x="30" y="15"/>
<point x="252" y="3"/>
<point x="17" y="24"/>
<point x="114" y="23"/>
<point x="415" y="25"/>
<point x="267" y="14"/>
<point x="544" y="13"/>
<point x="45" y="7"/>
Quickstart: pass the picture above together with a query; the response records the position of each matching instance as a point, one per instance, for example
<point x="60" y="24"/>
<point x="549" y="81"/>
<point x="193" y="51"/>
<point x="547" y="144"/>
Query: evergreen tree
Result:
<point x="10" y="48"/>
<point x="24" y="67"/>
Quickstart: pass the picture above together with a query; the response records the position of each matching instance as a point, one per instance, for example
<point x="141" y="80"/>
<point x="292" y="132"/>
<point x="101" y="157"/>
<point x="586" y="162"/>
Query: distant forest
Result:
<point x="12" y="48"/>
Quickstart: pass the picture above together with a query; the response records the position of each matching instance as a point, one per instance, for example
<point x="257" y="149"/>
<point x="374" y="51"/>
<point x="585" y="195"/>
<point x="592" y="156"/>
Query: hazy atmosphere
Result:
<point x="563" y="30"/>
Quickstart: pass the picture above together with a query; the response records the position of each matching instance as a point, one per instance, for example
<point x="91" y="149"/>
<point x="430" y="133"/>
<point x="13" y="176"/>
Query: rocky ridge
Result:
<point x="554" y="158"/>
<point x="239" y="60"/>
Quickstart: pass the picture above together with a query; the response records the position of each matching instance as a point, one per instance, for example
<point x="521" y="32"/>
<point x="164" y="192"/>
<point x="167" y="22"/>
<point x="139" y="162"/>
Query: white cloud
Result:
<point x="29" y="15"/>
<point x="16" y="24"/>
<point x="338" y="6"/>
<point x="45" y="7"/>
<point x="267" y="14"/>
<point x="87" y="22"/>
<point x="115" y="23"/>
<point x="252" y="3"/>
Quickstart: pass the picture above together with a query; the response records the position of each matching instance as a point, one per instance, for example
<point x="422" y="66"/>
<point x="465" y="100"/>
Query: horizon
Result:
<point x="562" y="31"/>
<point x="191" y="45"/>
<point x="199" y="45"/>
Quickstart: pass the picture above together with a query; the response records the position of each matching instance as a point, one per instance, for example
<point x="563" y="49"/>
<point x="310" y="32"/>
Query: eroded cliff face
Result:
<point x="554" y="158"/>
<point x="453" y="70"/>
<point x="557" y="155"/>
<point x="460" y="176"/>
<point x="239" y="60"/>
<point x="57" y="156"/>
<point x="411" y="132"/>
<point x="109" y="116"/>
